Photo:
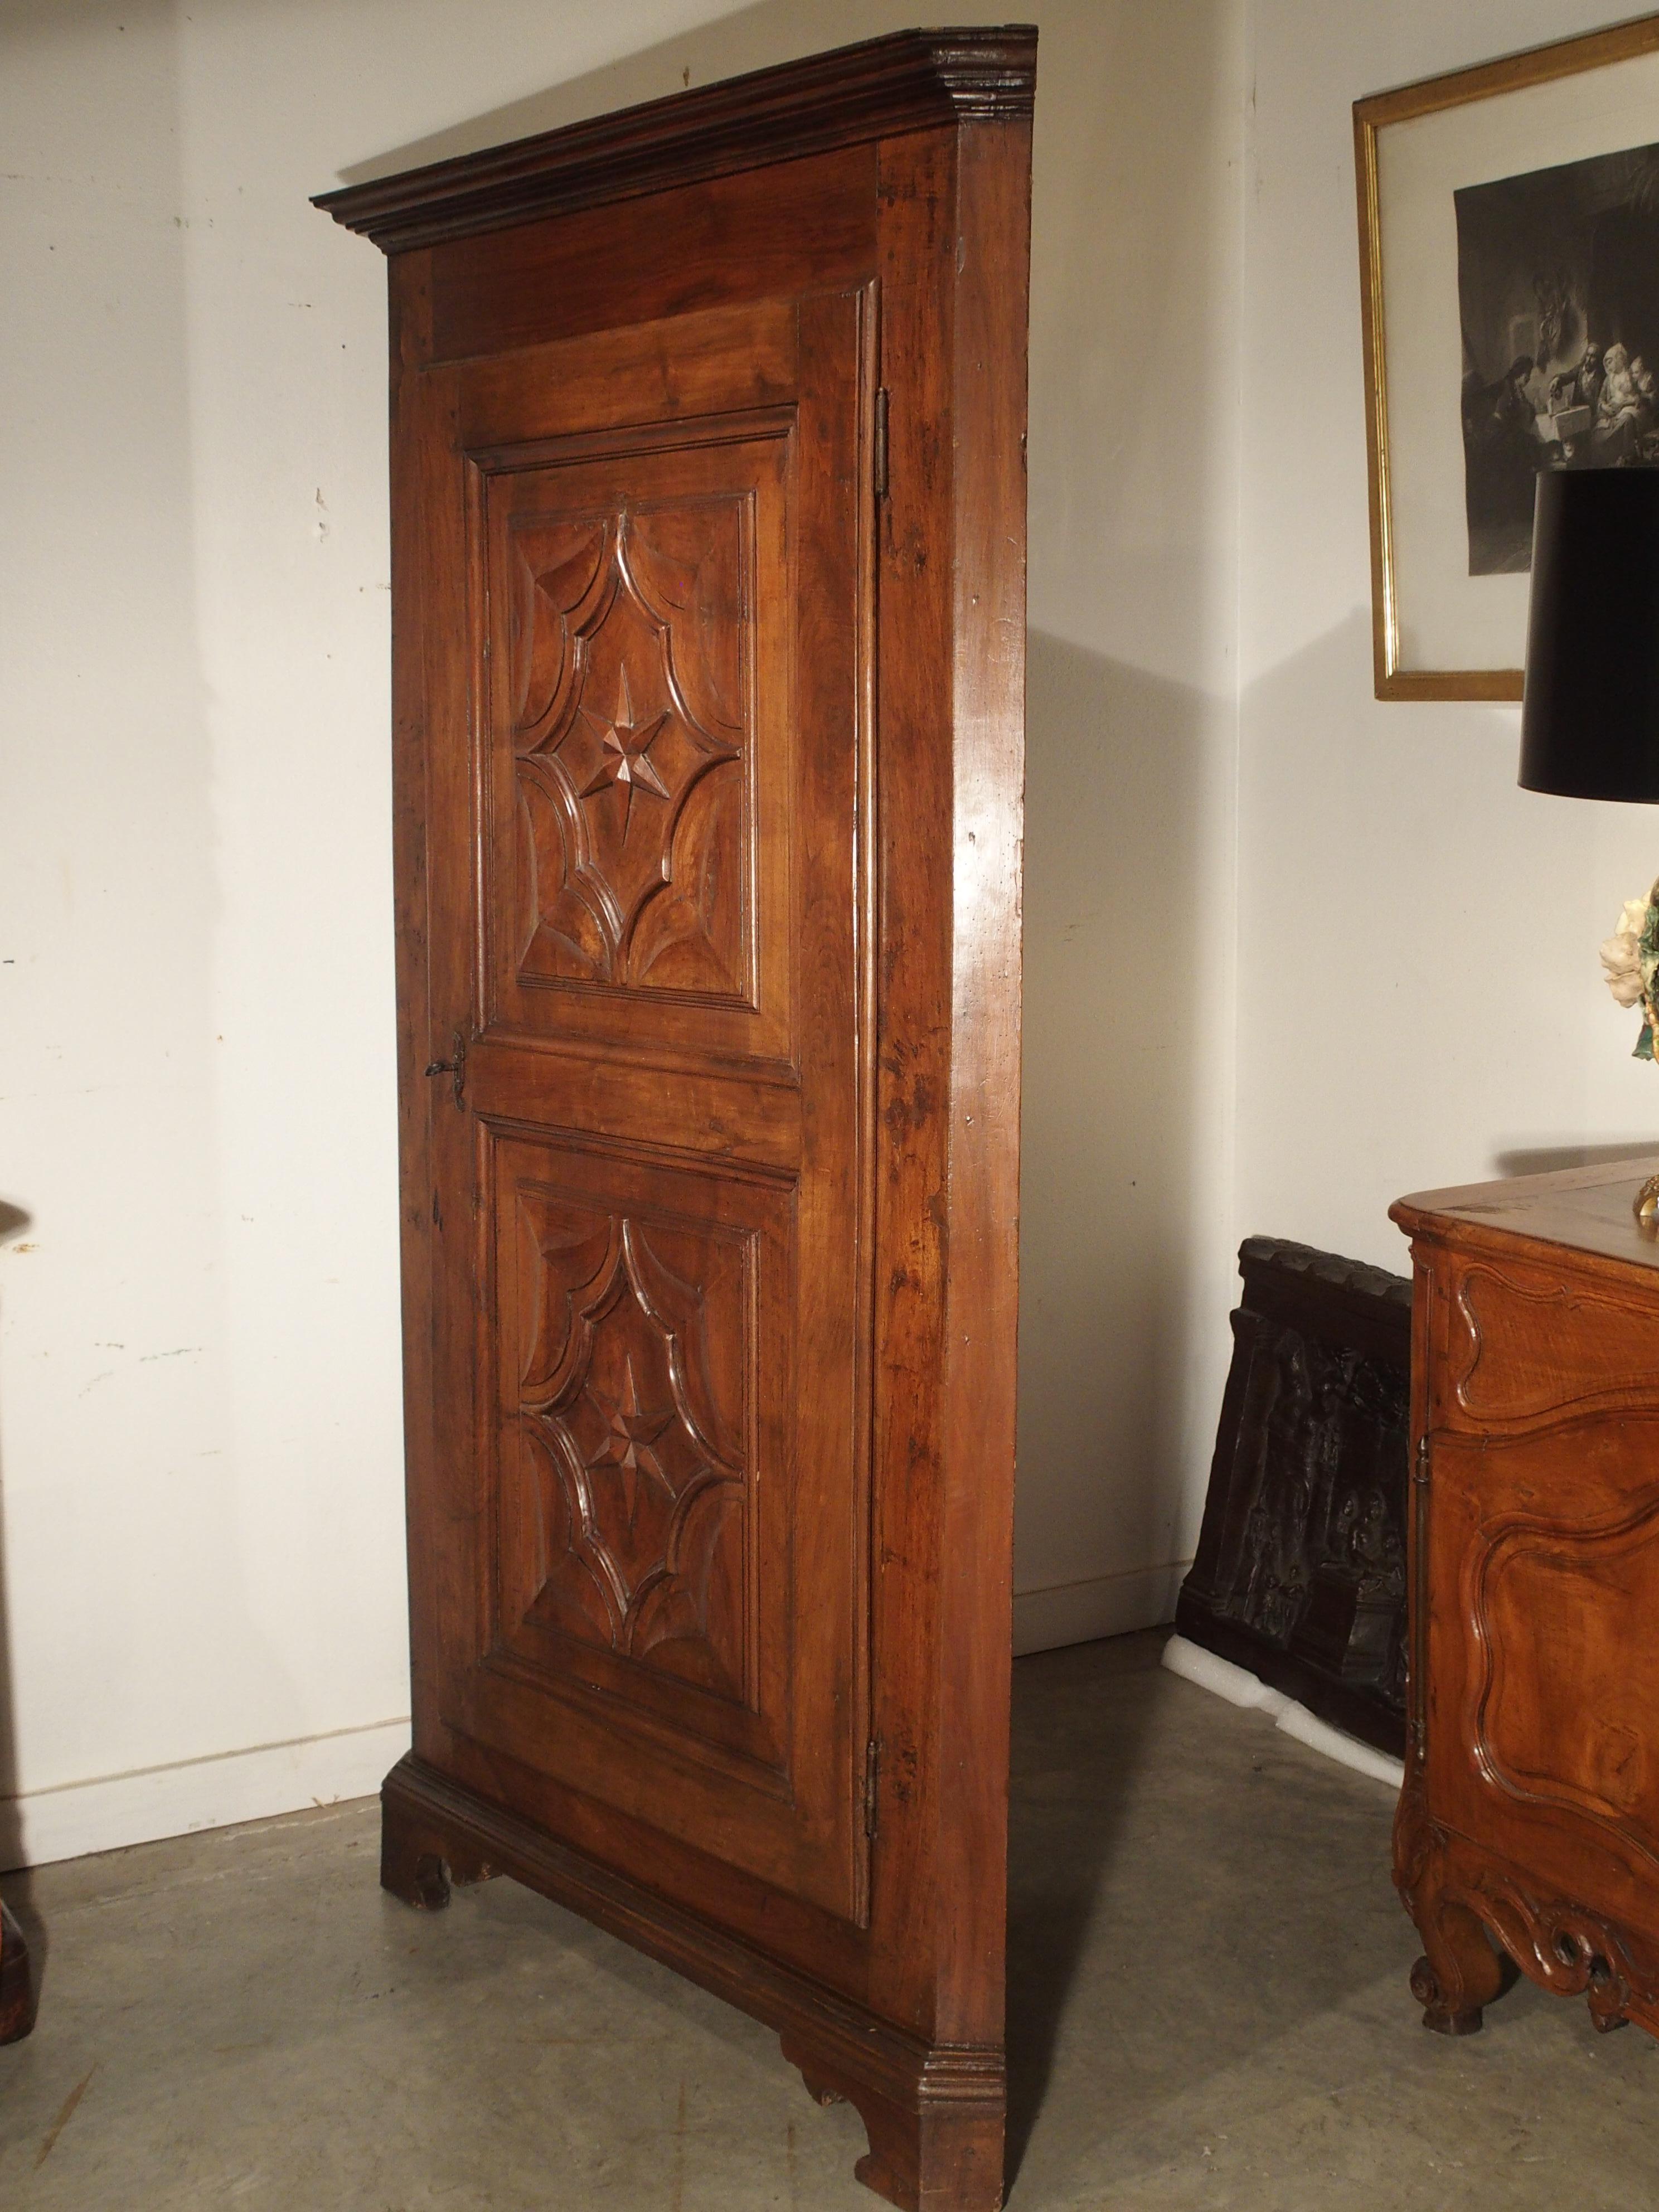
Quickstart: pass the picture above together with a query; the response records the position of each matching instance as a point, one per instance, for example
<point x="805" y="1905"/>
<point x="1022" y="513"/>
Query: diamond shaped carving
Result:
<point x="631" y="673"/>
<point x="629" y="1478"/>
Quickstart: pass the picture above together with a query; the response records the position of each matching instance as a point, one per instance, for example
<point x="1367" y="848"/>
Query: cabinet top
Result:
<point x="909" y="81"/>
<point x="1587" y="1209"/>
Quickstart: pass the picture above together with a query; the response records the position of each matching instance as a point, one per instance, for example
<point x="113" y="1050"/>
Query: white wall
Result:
<point x="199" y="1410"/>
<point x="1395" y="984"/>
<point x="199" y="1426"/>
<point x="1419" y="997"/>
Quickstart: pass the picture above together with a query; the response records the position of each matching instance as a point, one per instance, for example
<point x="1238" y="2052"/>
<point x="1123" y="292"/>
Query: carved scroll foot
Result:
<point x="16" y="1989"/>
<point x="935" y="2142"/>
<point x="1462" y="1973"/>
<point x="418" y="1859"/>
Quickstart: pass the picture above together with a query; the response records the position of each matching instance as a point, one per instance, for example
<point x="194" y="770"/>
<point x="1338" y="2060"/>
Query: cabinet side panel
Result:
<point x="409" y="285"/>
<point x="982" y="1288"/>
<point x="913" y="802"/>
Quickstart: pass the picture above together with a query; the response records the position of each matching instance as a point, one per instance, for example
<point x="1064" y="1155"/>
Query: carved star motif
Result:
<point x="632" y="1431"/>
<point x="625" y="751"/>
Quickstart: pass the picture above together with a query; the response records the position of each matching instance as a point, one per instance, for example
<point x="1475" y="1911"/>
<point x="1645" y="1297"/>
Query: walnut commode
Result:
<point x="1529" y="1818"/>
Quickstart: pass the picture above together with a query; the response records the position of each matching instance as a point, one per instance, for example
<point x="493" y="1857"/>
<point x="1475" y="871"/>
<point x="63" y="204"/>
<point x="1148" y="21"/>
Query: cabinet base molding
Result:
<point x="934" y="2113"/>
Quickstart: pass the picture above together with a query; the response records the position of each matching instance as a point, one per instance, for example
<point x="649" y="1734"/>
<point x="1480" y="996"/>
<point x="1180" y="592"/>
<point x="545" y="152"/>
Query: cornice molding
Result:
<point x="910" y="81"/>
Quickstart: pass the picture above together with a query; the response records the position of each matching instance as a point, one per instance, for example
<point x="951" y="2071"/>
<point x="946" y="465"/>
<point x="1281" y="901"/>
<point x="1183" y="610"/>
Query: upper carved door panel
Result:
<point x="637" y="764"/>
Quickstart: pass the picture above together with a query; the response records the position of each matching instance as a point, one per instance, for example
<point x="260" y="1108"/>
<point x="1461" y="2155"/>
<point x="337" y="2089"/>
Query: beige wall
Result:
<point x="1419" y="997"/>
<point x="199" y="1429"/>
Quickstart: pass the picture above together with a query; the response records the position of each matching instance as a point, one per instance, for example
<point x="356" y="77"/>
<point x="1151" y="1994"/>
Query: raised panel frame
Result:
<point x="609" y="1013"/>
<point x="688" y="1432"/>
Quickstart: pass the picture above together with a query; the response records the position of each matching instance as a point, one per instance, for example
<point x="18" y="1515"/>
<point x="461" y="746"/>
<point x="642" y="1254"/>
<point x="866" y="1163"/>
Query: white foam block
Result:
<point x="1240" y="1688"/>
<point x="1236" y="1684"/>
<point x="1336" y="1743"/>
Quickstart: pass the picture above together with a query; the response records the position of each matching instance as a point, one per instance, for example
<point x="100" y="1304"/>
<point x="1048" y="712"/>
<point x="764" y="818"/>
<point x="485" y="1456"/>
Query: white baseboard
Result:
<point x="114" y="1811"/>
<point x="142" y="1808"/>
<point x="1104" y="1605"/>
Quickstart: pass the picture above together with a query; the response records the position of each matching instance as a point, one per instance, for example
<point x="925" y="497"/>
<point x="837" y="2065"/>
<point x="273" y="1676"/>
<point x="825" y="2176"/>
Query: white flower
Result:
<point x="1621" y="954"/>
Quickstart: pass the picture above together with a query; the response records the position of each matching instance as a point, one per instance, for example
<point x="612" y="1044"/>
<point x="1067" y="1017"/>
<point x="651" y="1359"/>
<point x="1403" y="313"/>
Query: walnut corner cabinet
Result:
<point x="1529" y="1818"/>
<point x="708" y="546"/>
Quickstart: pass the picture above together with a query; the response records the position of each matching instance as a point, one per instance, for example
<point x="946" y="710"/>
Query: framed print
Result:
<point x="1509" y="241"/>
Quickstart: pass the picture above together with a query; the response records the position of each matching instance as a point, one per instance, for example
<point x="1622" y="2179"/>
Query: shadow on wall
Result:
<point x="752" y="37"/>
<point x="1547" y="1159"/>
<point x="1115" y="1052"/>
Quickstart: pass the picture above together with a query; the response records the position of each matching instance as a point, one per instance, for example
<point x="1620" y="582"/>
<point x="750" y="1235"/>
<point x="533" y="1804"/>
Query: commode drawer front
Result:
<point x="1519" y="1346"/>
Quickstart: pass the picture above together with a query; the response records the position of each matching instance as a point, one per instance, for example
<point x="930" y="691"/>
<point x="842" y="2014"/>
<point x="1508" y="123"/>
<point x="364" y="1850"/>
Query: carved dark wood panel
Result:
<point x="1300" y="1573"/>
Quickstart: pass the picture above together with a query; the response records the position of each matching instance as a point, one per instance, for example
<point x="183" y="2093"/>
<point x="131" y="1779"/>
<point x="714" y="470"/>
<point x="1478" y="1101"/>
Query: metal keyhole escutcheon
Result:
<point x="455" y="1066"/>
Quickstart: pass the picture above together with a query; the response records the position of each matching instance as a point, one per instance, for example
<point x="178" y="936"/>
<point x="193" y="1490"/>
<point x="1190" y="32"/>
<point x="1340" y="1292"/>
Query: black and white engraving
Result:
<point x="1557" y="279"/>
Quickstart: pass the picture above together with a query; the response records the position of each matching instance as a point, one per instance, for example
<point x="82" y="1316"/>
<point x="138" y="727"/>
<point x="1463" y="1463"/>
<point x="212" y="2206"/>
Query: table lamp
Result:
<point x="1589" y="720"/>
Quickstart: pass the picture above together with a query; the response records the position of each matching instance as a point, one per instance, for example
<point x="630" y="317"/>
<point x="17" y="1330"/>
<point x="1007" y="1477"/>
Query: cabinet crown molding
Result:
<point x="882" y="88"/>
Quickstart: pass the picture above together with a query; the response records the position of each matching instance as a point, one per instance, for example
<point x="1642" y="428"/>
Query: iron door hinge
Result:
<point x="878" y="442"/>
<point x="1422" y="1477"/>
<point x="871" y="1780"/>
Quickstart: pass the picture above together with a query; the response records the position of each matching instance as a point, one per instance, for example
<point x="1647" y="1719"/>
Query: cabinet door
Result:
<point x="650" y="1289"/>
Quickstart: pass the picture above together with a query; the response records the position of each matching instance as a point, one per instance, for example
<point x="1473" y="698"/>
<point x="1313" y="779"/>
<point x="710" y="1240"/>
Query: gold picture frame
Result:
<point x="1406" y="168"/>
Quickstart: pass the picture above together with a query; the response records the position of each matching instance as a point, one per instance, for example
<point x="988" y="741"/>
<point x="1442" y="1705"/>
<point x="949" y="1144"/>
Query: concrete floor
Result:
<point x="1207" y="2009"/>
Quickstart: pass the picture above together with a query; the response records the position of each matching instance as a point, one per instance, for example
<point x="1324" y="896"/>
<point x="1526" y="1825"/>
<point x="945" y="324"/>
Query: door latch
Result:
<point x="456" y="1067"/>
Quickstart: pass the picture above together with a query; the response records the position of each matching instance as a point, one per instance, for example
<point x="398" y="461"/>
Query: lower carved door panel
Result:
<point x="650" y="1459"/>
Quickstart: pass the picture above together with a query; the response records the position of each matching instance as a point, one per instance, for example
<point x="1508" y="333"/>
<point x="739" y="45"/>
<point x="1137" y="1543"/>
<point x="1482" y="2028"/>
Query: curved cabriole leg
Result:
<point x="419" y="1859"/>
<point x="16" y="1991"/>
<point x="1462" y="1973"/>
<point x="937" y="2150"/>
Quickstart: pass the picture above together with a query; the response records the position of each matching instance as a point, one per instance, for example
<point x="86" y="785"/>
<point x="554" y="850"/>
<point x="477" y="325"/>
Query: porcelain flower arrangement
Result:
<point x="1631" y="958"/>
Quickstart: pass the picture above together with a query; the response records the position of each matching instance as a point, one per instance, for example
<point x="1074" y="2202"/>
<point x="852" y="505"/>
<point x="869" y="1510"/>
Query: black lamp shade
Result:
<point x="1589" y="724"/>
